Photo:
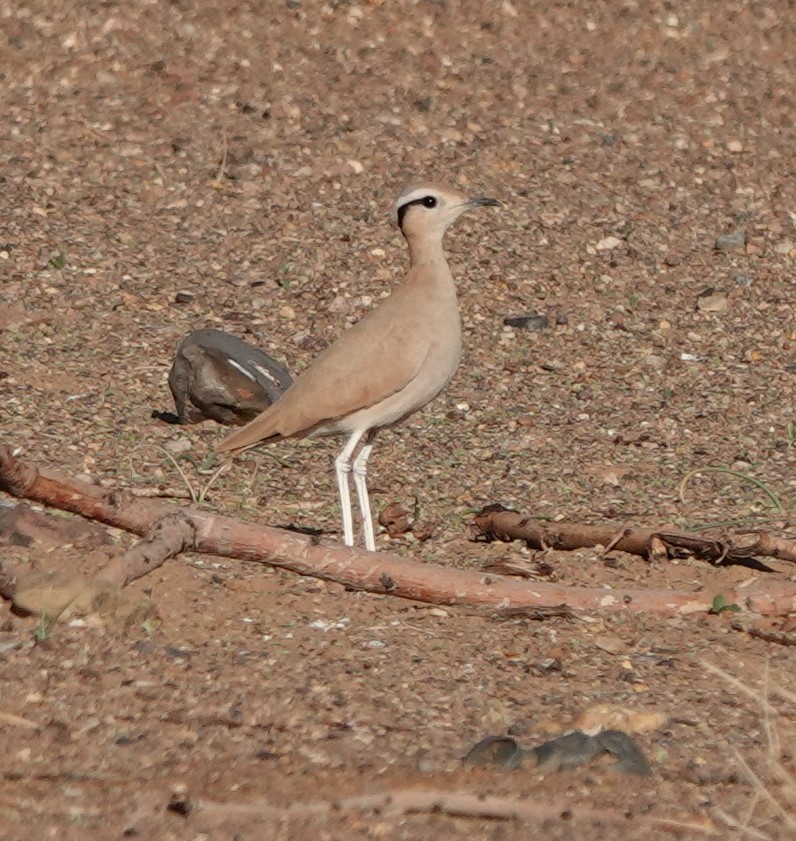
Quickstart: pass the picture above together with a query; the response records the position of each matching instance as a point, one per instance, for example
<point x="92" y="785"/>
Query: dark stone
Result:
<point x="495" y="750"/>
<point x="216" y="376"/>
<point x="528" y="322"/>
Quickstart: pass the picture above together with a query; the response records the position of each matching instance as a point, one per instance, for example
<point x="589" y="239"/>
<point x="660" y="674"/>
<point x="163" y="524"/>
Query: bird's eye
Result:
<point x="429" y="201"/>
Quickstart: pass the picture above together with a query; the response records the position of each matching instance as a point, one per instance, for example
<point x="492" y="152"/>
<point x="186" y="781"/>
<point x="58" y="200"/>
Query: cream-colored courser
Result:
<point x="388" y="365"/>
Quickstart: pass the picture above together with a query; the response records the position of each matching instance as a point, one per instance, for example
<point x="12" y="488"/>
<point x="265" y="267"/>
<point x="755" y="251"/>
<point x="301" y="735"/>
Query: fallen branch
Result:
<point x="380" y="573"/>
<point x="169" y="536"/>
<point x="207" y="815"/>
<point x="497" y="523"/>
<point x="773" y="636"/>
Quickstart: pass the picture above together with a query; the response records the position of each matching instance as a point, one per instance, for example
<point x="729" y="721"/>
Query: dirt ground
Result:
<point x="247" y="155"/>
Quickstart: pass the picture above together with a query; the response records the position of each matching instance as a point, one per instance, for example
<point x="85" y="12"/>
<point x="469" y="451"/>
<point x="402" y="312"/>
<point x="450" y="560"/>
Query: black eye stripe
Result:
<point x="426" y="201"/>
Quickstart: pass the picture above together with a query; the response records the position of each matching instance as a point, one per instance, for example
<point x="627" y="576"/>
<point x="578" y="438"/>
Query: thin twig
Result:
<point x="191" y="491"/>
<point x="209" y="483"/>
<point x="222" y="167"/>
<point x="738" y="684"/>
<point x="742" y="827"/>
<point x="747" y="819"/>
<point x="615" y="539"/>
<point x="768" y="712"/>
<point x="761" y="789"/>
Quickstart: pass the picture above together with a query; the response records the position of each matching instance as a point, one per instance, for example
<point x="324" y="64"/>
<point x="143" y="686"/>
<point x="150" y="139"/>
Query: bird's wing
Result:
<point x="377" y="357"/>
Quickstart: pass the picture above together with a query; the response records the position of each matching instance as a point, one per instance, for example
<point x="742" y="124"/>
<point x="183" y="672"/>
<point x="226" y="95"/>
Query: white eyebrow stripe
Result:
<point x="414" y="196"/>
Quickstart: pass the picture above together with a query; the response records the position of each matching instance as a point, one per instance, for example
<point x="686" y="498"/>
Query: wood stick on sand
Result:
<point x="381" y="573"/>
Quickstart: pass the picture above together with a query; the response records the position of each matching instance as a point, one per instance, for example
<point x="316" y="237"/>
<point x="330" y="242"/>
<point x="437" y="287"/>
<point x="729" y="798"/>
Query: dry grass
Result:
<point x="774" y="786"/>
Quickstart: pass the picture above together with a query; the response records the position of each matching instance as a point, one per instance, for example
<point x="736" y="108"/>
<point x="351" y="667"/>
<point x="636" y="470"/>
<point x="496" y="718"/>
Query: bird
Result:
<point x="391" y="363"/>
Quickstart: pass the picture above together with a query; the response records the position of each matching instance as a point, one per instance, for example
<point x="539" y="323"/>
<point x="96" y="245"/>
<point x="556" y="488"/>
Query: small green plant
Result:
<point x="284" y="281"/>
<point x="44" y="628"/>
<point x="59" y="261"/>
<point x="721" y="605"/>
<point x="148" y="627"/>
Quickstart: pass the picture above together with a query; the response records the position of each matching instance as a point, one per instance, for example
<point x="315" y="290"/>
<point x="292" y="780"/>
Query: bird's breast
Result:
<point x="440" y="364"/>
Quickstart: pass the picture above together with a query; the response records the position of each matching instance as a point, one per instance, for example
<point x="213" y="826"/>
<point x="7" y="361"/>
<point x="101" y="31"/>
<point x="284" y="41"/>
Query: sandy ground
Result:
<point x="248" y="154"/>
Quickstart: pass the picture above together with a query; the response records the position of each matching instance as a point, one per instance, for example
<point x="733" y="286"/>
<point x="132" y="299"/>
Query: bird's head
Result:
<point x="429" y="210"/>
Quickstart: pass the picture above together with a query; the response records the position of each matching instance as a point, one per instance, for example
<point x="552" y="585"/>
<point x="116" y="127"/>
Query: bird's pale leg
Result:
<point x="342" y="466"/>
<point x="360" y="468"/>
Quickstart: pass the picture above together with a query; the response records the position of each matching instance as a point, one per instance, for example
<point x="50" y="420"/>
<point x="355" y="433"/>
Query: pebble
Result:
<point x="712" y="300"/>
<point x="324" y="625"/>
<point x="612" y="645"/>
<point x="339" y="304"/>
<point x="546" y="666"/>
<point x="728" y="242"/>
<point x="608" y="243"/>
<point x="180" y="445"/>
<point x="533" y="321"/>
<point x="656" y="363"/>
<point x="183" y="298"/>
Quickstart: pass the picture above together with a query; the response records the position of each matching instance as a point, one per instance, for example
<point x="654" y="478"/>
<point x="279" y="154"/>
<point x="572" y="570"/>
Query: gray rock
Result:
<point x="654" y="362"/>
<point x="495" y="750"/>
<point x="731" y="241"/>
<point x="219" y="377"/>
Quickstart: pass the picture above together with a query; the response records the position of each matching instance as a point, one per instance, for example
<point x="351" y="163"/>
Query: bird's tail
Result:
<point x="247" y="437"/>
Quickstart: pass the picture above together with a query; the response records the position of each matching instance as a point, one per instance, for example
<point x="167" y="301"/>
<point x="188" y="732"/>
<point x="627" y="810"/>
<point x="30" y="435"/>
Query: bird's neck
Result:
<point x="425" y="251"/>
